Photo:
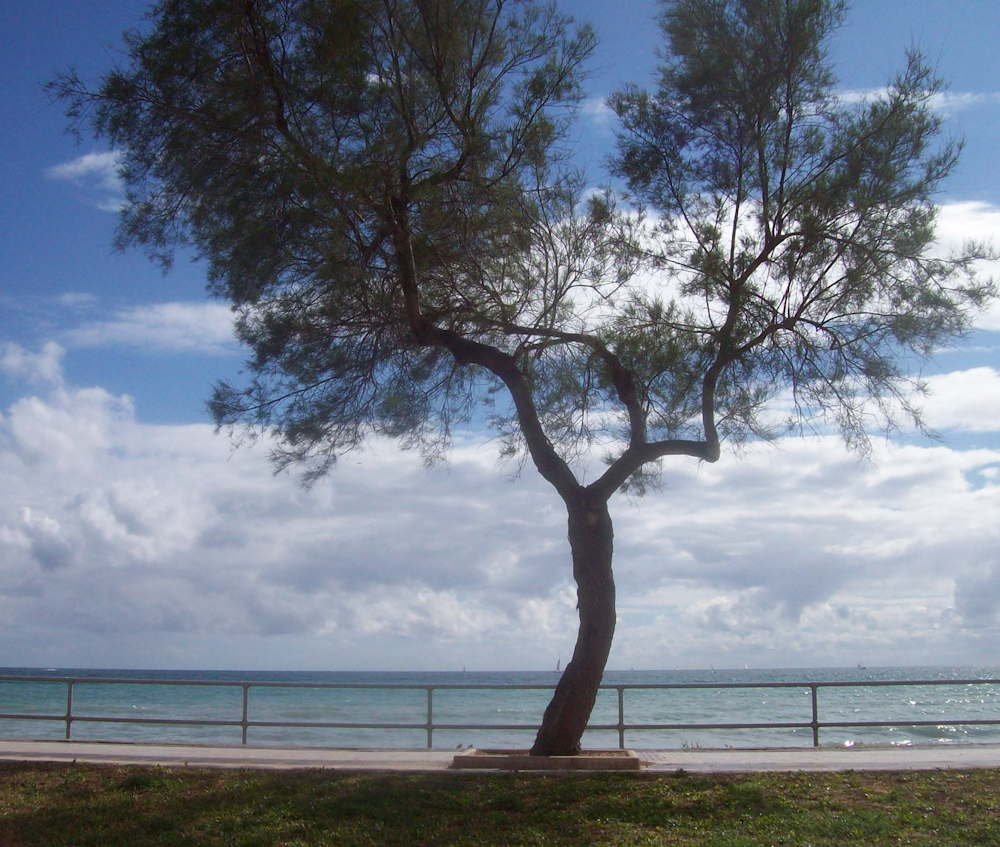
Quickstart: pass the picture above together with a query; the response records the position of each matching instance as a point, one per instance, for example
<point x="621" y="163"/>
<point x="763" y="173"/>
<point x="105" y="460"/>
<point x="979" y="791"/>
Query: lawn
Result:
<point x="101" y="805"/>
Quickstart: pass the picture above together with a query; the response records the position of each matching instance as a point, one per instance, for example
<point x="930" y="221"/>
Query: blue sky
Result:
<point x="133" y="536"/>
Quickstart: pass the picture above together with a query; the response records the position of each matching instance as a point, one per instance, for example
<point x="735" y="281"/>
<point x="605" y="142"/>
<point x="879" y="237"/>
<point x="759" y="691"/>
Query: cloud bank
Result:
<point x="129" y="544"/>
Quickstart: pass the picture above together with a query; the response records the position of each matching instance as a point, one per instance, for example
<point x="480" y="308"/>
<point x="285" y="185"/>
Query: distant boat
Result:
<point x="558" y="665"/>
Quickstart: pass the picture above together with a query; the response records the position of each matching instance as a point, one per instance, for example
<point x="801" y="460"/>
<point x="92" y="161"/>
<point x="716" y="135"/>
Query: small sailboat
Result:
<point x="558" y="665"/>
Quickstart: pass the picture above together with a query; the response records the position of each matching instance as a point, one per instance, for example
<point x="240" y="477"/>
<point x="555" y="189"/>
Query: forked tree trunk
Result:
<point x="591" y="540"/>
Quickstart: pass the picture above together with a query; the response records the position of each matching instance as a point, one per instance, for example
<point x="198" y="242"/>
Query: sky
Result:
<point x="134" y="536"/>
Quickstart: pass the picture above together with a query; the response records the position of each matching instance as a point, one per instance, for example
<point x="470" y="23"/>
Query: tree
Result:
<point x="795" y="226"/>
<point x="381" y="190"/>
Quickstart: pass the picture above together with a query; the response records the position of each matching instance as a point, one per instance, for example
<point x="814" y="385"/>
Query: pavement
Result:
<point x="697" y="760"/>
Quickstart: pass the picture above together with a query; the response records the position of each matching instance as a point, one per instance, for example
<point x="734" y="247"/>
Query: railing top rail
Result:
<point x="123" y="680"/>
<point x="886" y="682"/>
<point x="415" y="686"/>
<point x="856" y="683"/>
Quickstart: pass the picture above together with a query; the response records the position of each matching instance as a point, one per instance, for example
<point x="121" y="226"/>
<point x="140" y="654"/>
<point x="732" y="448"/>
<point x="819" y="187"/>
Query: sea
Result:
<point x="955" y="705"/>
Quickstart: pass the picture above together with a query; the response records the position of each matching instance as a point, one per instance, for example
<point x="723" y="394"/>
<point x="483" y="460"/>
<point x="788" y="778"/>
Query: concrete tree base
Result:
<point x="520" y="760"/>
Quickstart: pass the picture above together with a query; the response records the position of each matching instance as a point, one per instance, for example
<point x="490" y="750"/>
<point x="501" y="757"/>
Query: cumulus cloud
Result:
<point x="97" y="174"/>
<point x="187" y="327"/>
<point x="596" y="110"/>
<point x="43" y="367"/>
<point x="977" y="596"/>
<point x="113" y="533"/>
<point x="801" y="554"/>
<point x="45" y="541"/>
<point x="965" y="401"/>
<point x="975" y="221"/>
<point x="968" y="220"/>
<point x="119" y="527"/>
<point x="69" y="431"/>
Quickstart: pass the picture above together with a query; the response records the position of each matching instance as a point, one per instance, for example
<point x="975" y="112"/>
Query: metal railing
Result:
<point x="430" y="726"/>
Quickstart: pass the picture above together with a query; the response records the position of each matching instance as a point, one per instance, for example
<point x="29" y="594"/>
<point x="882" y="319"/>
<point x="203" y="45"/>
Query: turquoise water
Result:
<point x="298" y="701"/>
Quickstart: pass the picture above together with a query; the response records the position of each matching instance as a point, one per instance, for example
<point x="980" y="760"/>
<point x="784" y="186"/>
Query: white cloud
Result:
<point x="966" y="401"/>
<point x="971" y="220"/>
<point x="117" y="527"/>
<point x="67" y="433"/>
<point x="44" y="539"/>
<point x="192" y="327"/>
<point x="959" y="223"/>
<point x="97" y="174"/>
<point x="597" y="110"/>
<point x="44" y="367"/>
<point x="804" y="557"/>
<point x="950" y="102"/>
<point x="946" y="103"/>
<point x="119" y="540"/>
<point x="76" y="300"/>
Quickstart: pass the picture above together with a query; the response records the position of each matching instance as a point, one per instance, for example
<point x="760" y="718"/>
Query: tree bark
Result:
<point x="591" y="539"/>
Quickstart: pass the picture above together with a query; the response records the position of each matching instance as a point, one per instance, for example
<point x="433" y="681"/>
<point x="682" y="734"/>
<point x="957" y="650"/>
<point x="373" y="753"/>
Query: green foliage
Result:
<point x="797" y="228"/>
<point x="342" y="166"/>
<point x="379" y="188"/>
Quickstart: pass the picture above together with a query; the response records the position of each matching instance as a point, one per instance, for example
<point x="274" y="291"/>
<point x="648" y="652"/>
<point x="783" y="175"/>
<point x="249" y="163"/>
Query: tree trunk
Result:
<point x="591" y="539"/>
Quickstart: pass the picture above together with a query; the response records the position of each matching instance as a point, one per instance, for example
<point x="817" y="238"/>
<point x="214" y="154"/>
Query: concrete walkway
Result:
<point x="194" y="755"/>
<point x="938" y="757"/>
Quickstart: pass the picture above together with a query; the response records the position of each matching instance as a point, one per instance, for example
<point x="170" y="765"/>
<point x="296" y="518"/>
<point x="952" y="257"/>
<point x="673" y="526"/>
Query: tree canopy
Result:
<point x="796" y="226"/>
<point x="382" y="189"/>
<point x="326" y="159"/>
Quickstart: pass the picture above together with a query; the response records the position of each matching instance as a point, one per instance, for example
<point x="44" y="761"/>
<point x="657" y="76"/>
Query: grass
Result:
<point x="84" y="805"/>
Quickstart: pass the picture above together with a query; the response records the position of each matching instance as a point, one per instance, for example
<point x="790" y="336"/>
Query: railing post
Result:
<point x="69" y="708"/>
<point x="815" y="716"/>
<point x="621" y="717"/>
<point x="430" y="717"/>
<point x="245" y="722"/>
